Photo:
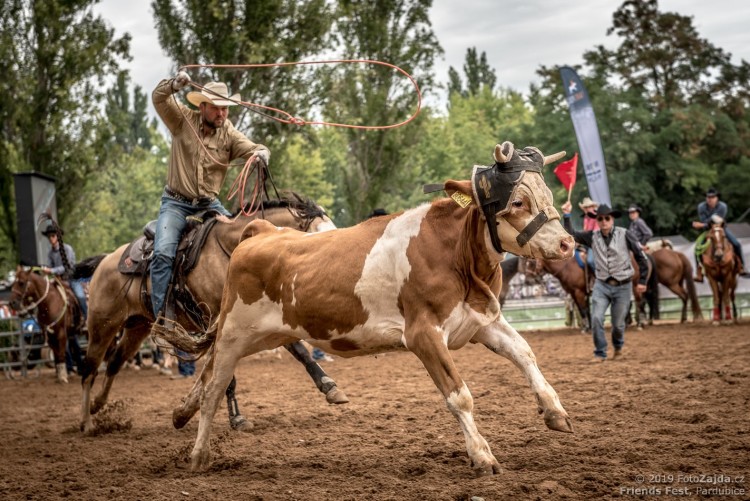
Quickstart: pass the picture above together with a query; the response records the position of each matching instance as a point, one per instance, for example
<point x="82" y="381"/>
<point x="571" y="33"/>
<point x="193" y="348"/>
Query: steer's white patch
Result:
<point x="463" y="322"/>
<point x="264" y="319"/>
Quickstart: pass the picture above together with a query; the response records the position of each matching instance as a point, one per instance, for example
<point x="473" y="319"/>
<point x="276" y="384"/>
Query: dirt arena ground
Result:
<point x="669" y="419"/>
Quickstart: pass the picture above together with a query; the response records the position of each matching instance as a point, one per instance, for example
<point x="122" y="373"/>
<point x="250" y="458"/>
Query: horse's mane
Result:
<point x="306" y="207"/>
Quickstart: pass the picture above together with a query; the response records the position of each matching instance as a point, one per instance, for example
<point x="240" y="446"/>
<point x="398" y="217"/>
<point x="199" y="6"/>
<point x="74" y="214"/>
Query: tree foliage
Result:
<point x="57" y="56"/>
<point x="397" y="32"/>
<point x="479" y="74"/>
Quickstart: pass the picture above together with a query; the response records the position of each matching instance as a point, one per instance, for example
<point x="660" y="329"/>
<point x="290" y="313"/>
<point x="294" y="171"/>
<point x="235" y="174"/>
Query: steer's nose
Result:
<point x="566" y="246"/>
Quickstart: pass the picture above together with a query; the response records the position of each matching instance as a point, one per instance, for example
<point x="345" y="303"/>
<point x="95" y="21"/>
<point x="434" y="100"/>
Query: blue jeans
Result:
<point x="169" y="227"/>
<point x="77" y="288"/>
<point x="185" y="367"/>
<point x="602" y="297"/>
<point x="736" y="244"/>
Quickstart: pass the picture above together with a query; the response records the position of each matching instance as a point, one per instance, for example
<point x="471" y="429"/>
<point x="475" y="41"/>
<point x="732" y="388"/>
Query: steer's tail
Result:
<point x="86" y="268"/>
<point x="176" y="335"/>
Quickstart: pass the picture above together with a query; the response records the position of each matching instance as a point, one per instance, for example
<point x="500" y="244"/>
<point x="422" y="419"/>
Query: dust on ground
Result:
<point x="672" y="415"/>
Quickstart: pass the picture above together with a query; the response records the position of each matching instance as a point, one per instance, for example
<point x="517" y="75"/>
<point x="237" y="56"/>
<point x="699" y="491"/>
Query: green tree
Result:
<point x="226" y="32"/>
<point x="478" y="72"/>
<point x="58" y="55"/>
<point x="670" y="109"/>
<point x="397" y="32"/>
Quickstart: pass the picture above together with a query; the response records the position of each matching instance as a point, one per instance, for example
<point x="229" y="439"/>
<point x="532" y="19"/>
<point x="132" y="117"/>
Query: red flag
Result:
<point x="566" y="172"/>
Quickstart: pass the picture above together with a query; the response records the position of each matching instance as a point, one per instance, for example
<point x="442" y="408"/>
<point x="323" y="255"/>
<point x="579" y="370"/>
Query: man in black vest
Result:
<point x="614" y="275"/>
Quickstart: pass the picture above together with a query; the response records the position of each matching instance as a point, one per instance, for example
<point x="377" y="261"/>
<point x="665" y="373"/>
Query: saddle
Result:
<point x="136" y="261"/>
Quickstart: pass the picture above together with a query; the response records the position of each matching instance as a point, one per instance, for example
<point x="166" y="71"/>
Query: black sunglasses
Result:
<point x="603" y="218"/>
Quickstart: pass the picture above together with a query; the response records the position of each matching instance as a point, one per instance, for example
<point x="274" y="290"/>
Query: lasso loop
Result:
<point x="300" y="121"/>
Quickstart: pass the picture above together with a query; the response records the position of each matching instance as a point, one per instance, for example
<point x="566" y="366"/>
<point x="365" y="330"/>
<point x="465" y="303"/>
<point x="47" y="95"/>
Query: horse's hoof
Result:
<point x="558" y="421"/>
<point x="96" y="406"/>
<point x="336" y="396"/>
<point x="239" y="423"/>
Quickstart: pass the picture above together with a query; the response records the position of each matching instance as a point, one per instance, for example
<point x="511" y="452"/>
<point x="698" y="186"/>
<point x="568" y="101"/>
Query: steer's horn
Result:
<point x="553" y="158"/>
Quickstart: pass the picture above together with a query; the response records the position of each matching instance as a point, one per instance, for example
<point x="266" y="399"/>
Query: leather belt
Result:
<point x="615" y="282"/>
<point x="195" y="202"/>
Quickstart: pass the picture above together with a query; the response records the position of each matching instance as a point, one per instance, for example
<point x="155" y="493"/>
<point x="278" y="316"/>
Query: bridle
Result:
<point x="26" y="309"/>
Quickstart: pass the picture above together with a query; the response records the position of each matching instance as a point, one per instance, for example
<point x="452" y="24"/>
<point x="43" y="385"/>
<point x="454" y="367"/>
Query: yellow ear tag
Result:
<point x="461" y="199"/>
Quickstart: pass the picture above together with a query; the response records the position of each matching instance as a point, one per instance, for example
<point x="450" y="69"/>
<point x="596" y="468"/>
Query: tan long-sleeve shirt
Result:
<point x="193" y="173"/>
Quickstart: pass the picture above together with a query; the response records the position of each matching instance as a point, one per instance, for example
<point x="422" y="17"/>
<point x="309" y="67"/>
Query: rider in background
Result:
<point x="589" y="208"/>
<point x="638" y="227"/>
<point x="712" y="206"/>
<point x="57" y="266"/>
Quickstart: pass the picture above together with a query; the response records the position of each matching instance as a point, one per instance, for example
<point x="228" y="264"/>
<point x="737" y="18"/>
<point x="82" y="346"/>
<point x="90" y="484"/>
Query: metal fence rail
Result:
<point x="17" y="348"/>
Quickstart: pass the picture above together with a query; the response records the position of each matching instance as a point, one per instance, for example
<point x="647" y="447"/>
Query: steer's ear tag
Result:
<point x="462" y="199"/>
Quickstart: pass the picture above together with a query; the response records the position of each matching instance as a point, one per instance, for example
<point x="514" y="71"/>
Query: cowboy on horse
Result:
<point x="706" y="211"/>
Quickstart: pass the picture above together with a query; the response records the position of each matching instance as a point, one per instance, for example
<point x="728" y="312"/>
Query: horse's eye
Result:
<point x="517" y="204"/>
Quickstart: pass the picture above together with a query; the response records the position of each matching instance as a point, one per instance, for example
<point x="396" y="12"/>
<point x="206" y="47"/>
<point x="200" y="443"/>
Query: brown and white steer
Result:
<point x="425" y="280"/>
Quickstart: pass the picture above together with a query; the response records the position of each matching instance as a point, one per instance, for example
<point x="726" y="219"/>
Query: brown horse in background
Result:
<point x="572" y="278"/>
<point x="58" y="312"/>
<point x="116" y="304"/>
<point x="722" y="267"/>
<point x="675" y="272"/>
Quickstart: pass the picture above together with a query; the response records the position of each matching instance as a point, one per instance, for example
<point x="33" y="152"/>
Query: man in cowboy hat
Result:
<point x="589" y="207"/>
<point x="614" y="273"/>
<point x="204" y="141"/>
<point x="638" y="227"/>
<point x="707" y="209"/>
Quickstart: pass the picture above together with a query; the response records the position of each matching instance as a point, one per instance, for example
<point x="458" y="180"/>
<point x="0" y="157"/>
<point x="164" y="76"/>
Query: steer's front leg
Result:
<point x="428" y="345"/>
<point x="504" y="340"/>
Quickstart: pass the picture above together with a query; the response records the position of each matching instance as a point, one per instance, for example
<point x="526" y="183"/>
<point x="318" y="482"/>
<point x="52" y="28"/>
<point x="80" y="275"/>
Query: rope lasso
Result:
<point x="262" y="172"/>
<point x="300" y="121"/>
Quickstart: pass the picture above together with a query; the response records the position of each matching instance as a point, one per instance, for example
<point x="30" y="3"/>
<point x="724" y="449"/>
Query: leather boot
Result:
<point x="699" y="274"/>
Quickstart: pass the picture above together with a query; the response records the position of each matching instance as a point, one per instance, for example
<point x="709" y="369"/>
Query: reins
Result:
<point x="60" y="290"/>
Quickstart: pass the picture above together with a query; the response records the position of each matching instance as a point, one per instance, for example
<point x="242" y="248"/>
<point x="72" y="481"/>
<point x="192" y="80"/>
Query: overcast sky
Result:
<point x="518" y="36"/>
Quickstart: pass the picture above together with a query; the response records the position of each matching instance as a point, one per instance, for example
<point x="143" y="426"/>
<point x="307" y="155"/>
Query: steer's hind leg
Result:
<point x="504" y="340"/>
<point x="432" y="351"/>
<point x="219" y="373"/>
<point x="325" y="384"/>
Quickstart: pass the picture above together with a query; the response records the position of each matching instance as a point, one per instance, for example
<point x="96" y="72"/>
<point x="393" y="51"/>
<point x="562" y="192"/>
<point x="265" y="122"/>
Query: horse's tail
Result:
<point x="177" y="336"/>
<point x="86" y="268"/>
<point x="652" y="289"/>
<point x="687" y="277"/>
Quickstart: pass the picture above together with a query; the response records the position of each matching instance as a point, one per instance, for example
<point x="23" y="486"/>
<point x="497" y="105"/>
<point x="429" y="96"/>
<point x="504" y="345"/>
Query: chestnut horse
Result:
<point x="58" y="312"/>
<point x="722" y="267"/>
<point x="572" y="278"/>
<point x="116" y="305"/>
<point x="675" y="272"/>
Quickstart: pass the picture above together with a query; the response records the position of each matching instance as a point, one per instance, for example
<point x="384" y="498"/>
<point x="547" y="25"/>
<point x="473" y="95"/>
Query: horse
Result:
<point x="572" y="278"/>
<point x="674" y="271"/>
<point x="116" y="304"/>
<point x="721" y="266"/>
<point x="510" y="267"/>
<point x="650" y="297"/>
<point x="58" y="312"/>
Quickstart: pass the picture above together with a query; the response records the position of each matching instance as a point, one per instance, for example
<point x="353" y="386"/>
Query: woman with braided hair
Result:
<point x="61" y="260"/>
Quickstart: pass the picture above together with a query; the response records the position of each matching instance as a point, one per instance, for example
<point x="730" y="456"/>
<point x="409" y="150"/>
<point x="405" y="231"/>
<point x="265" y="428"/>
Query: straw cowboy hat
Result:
<point x="215" y="93"/>
<point x="587" y="202"/>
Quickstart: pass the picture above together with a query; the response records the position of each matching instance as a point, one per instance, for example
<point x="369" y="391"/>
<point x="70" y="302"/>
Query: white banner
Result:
<point x="587" y="134"/>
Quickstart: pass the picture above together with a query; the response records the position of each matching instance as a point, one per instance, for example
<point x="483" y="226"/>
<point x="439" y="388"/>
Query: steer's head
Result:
<point x="517" y="204"/>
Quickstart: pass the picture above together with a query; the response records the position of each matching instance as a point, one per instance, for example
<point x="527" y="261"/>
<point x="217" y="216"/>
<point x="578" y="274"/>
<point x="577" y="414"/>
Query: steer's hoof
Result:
<point x="180" y="418"/>
<point x="239" y="423"/>
<point x="558" y="421"/>
<point x="336" y="396"/>
<point x="488" y="468"/>
<point x="200" y="460"/>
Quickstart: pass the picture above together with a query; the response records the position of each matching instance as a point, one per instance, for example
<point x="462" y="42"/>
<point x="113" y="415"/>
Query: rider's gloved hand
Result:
<point x="263" y="156"/>
<point x="180" y="80"/>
